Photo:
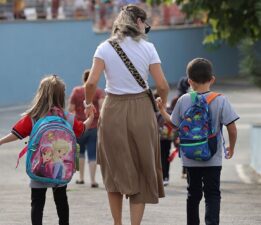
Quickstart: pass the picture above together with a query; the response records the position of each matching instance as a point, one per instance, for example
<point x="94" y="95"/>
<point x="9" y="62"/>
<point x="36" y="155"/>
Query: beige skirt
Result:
<point x="128" y="148"/>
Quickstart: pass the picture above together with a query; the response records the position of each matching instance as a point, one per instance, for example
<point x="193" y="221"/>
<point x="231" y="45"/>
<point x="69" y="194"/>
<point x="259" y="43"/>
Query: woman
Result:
<point x="128" y="142"/>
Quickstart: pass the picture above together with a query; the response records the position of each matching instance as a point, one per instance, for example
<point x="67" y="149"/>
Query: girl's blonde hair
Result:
<point x="50" y="93"/>
<point x="126" y="23"/>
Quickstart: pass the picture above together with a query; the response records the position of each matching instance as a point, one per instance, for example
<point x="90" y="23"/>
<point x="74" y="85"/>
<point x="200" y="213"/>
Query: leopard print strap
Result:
<point x="128" y="63"/>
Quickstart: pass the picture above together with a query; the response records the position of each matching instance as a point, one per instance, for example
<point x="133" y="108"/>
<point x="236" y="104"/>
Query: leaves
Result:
<point x="231" y="21"/>
<point x="235" y="22"/>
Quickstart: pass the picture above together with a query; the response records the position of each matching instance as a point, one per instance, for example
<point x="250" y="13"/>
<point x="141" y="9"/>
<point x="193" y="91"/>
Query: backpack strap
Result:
<point x="211" y="97"/>
<point x="21" y="154"/>
<point x="193" y="95"/>
<point x="68" y="116"/>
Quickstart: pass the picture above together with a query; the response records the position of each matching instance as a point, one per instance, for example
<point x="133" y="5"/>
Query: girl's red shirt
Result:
<point x="24" y="126"/>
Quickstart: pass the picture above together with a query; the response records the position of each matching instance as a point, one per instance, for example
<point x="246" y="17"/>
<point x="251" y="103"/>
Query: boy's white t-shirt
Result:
<point x="118" y="78"/>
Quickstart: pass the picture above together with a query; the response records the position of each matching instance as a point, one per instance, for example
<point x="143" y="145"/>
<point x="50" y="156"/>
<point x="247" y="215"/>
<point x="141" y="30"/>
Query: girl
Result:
<point x="50" y="99"/>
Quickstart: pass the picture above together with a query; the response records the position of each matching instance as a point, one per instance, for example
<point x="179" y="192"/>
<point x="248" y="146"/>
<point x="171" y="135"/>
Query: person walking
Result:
<point x="203" y="158"/>
<point x="88" y="140"/>
<point x="128" y="148"/>
<point x="49" y="100"/>
<point x="182" y="88"/>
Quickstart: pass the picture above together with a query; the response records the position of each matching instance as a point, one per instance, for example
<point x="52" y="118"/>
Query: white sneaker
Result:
<point x="166" y="182"/>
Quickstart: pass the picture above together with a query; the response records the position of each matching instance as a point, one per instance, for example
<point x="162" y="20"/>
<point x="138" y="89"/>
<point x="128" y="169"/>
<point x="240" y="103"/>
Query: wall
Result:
<point x="30" y="49"/>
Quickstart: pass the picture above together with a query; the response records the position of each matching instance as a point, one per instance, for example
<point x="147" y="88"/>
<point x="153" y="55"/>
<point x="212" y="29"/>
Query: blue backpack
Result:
<point x="198" y="140"/>
<point x="52" y="150"/>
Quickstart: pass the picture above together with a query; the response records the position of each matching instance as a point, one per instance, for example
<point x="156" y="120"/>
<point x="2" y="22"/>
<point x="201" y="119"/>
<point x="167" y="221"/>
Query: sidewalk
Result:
<point x="241" y="202"/>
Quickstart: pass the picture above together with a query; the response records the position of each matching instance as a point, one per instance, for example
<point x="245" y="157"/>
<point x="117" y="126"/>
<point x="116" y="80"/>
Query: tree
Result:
<point x="236" y="22"/>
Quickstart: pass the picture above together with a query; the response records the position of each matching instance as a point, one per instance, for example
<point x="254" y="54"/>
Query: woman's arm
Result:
<point x="8" y="138"/>
<point x="160" y="80"/>
<point x="91" y="84"/>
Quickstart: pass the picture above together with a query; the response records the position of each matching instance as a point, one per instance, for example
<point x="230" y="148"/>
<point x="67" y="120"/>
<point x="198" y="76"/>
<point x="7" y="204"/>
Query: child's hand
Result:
<point x="89" y="110"/>
<point x="91" y="115"/>
<point x="89" y="119"/>
<point x="229" y="152"/>
<point x="160" y="103"/>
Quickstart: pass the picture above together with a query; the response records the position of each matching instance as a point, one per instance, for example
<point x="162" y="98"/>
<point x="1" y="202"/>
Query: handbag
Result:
<point x="134" y="72"/>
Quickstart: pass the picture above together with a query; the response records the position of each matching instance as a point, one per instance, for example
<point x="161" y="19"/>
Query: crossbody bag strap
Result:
<point x="134" y="72"/>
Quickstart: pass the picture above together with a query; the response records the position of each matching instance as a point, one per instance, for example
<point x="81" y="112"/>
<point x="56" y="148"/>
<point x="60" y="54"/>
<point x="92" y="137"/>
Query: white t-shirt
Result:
<point x="118" y="78"/>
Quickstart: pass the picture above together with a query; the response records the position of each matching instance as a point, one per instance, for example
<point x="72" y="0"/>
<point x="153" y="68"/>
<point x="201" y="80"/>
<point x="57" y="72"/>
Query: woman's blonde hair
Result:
<point x="50" y="93"/>
<point x="126" y="23"/>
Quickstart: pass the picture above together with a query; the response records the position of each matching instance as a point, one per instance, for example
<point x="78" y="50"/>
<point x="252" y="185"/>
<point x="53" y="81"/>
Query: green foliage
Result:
<point x="250" y="63"/>
<point x="230" y="20"/>
<point x="237" y="22"/>
<point x="158" y="2"/>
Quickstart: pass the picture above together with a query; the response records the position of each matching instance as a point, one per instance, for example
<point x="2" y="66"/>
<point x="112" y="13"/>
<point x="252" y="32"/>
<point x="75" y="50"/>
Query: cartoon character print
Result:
<point x="61" y="149"/>
<point x="197" y="116"/>
<point x="44" y="166"/>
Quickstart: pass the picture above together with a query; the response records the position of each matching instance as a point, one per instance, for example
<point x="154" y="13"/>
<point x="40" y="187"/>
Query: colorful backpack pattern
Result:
<point x="52" y="150"/>
<point x="198" y="140"/>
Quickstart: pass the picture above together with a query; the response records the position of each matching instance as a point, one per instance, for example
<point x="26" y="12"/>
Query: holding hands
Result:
<point x="160" y="104"/>
<point x="162" y="110"/>
<point x="89" y="111"/>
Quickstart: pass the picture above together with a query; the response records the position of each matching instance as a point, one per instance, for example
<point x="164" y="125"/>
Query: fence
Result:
<point x="102" y="12"/>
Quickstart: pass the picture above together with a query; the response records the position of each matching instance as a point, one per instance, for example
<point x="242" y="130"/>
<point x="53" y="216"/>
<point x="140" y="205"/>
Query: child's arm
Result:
<point x="232" y="135"/>
<point x="8" y="138"/>
<point x="163" y="111"/>
<point x="87" y="123"/>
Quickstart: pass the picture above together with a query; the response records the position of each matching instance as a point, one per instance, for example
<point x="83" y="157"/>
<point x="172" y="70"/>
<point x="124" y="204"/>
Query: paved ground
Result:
<point x="241" y="202"/>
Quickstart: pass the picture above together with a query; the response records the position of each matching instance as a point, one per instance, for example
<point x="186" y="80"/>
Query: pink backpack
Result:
<point x="52" y="152"/>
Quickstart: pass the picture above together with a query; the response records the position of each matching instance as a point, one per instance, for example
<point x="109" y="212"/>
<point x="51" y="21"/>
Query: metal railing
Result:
<point x="103" y="12"/>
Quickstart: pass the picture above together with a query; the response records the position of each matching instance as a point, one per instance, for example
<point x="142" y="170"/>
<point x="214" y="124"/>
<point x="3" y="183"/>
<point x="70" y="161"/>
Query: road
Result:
<point x="241" y="193"/>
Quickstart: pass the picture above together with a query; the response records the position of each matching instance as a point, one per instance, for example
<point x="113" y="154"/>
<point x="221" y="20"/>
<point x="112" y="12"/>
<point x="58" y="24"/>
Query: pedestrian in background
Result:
<point x="204" y="176"/>
<point x="128" y="140"/>
<point x="88" y="140"/>
<point x="167" y="136"/>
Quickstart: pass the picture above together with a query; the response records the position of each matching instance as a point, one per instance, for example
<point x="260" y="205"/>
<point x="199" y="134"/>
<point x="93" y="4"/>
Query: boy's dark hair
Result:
<point x="199" y="70"/>
<point x="85" y="75"/>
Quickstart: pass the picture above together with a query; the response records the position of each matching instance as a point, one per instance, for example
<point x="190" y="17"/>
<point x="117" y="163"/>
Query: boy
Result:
<point x="204" y="176"/>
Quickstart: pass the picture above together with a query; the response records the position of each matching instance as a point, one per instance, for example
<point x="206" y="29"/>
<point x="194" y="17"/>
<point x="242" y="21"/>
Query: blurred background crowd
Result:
<point x="160" y="12"/>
